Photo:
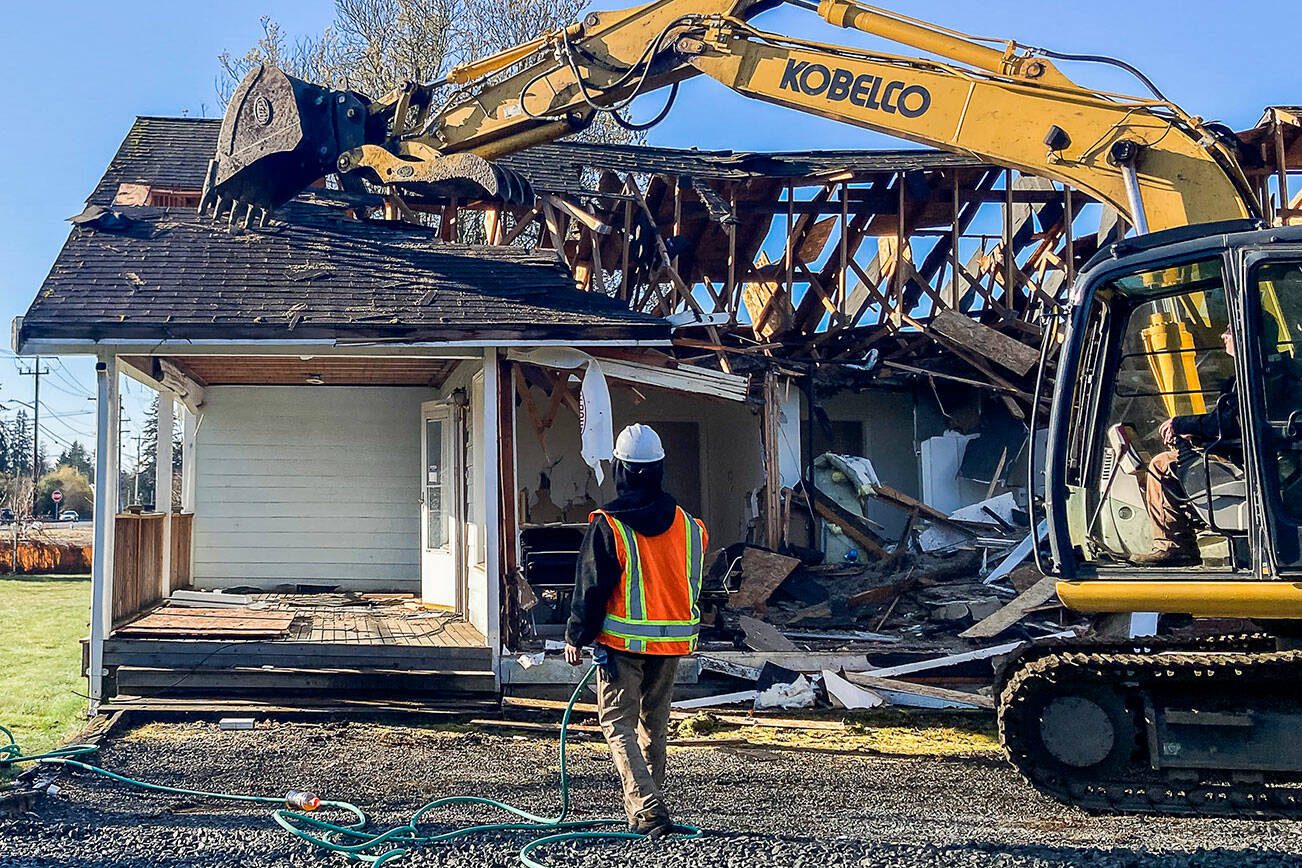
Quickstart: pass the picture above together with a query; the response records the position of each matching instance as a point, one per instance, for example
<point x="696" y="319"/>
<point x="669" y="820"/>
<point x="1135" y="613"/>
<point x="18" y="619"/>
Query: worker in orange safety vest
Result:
<point x="636" y="595"/>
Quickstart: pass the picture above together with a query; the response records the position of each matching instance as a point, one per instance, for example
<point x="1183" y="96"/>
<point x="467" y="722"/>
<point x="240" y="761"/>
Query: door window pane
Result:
<point x="1175" y="369"/>
<point x="435" y="485"/>
<point x="1279" y="285"/>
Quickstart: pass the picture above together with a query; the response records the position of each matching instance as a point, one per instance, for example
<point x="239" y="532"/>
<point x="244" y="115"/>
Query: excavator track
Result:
<point x="1079" y="721"/>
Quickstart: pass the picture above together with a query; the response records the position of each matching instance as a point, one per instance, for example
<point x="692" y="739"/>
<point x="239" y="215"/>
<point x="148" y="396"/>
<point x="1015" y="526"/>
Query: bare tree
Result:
<point x="372" y="46"/>
<point x="308" y="58"/>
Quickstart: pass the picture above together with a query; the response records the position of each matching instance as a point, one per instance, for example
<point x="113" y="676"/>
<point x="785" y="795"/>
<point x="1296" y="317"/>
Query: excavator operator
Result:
<point x="1174" y="534"/>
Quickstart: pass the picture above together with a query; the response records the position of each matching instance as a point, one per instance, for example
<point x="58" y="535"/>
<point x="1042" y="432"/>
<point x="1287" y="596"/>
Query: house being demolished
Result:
<point x="396" y="412"/>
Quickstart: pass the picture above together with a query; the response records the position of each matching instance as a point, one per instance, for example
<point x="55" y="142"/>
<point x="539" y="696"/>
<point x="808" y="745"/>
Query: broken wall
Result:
<point x="886" y="427"/>
<point x="714" y="459"/>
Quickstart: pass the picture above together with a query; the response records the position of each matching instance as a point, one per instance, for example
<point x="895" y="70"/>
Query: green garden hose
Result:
<point x="357" y="841"/>
<point x="11" y="753"/>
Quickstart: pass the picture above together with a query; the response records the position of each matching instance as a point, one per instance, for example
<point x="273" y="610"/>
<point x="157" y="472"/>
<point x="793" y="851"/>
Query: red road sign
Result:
<point x="56" y="496"/>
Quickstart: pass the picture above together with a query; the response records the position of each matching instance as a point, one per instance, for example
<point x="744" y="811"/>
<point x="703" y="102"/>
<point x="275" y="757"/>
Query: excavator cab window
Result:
<point x="1164" y="483"/>
<point x="1276" y="287"/>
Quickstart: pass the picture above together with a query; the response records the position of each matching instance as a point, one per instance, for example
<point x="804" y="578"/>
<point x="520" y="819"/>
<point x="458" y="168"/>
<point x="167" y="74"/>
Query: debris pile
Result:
<point x="852" y="623"/>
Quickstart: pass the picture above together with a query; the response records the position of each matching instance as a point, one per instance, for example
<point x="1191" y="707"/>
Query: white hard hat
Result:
<point x="638" y="444"/>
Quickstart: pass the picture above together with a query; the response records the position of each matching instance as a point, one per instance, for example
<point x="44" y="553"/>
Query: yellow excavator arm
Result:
<point x="1008" y="105"/>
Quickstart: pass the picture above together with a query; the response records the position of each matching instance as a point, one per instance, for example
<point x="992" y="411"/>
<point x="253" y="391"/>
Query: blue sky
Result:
<point x="77" y="73"/>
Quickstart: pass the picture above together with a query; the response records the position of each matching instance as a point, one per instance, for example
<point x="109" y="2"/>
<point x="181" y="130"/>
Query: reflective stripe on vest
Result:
<point x="695" y="565"/>
<point x="634" y="592"/>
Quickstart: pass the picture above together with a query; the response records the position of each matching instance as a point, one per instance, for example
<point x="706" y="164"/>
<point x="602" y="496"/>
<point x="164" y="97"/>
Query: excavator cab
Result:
<point x="1178" y="422"/>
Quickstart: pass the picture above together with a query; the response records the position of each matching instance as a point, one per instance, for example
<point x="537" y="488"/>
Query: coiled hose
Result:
<point x="357" y="840"/>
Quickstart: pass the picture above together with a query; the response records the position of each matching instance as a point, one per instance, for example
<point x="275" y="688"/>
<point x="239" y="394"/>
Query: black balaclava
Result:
<point x="640" y="501"/>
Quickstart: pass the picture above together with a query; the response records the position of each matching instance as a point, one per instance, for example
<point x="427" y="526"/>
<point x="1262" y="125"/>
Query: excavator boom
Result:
<point x="1007" y="105"/>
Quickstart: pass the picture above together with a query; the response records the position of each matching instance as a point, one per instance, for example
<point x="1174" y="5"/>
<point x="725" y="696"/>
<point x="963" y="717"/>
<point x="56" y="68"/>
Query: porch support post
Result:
<point x="492" y="465"/>
<point x="189" y="430"/>
<point x="163" y="487"/>
<point x="108" y="416"/>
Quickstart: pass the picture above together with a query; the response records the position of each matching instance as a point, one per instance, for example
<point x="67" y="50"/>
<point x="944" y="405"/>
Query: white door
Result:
<point x="442" y="507"/>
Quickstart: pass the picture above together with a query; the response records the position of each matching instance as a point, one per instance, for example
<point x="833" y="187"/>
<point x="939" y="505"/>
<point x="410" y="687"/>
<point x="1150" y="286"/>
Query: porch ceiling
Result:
<point x="294" y="371"/>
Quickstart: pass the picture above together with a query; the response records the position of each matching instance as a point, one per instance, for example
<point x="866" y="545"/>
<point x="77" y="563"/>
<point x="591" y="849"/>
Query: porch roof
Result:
<point x="169" y="274"/>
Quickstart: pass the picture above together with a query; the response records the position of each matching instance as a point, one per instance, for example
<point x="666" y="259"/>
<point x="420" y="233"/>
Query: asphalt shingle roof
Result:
<point x="311" y="273"/>
<point x="314" y="273"/>
<point x="174" y="274"/>
<point x="167" y="152"/>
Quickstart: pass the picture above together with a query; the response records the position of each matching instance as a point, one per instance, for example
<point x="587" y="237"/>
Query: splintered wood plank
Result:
<point x="761" y="573"/>
<point x="234" y="623"/>
<point x="1037" y="595"/>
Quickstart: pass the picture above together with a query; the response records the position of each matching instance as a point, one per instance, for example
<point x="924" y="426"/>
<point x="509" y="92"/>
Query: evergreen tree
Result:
<point x="5" y="464"/>
<point x="148" y="466"/>
<point x="20" y="444"/>
<point x="76" y="457"/>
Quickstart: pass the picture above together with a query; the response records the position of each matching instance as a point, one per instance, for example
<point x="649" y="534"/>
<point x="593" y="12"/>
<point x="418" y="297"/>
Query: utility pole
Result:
<point x="135" y="497"/>
<point x="123" y="419"/>
<point x="36" y="373"/>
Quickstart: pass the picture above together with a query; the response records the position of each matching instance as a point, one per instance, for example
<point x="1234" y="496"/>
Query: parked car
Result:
<point x="6" y="516"/>
<point x="69" y="515"/>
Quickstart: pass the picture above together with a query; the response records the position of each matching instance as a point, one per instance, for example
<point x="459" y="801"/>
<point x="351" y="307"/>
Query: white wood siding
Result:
<point x="313" y="485"/>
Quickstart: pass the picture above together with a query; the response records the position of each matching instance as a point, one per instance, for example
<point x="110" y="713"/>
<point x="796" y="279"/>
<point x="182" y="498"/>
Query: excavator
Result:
<point x="1189" y="325"/>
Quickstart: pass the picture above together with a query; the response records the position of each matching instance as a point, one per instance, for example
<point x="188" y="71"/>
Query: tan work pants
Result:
<point x="634" y="692"/>
<point x="1171" y="530"/>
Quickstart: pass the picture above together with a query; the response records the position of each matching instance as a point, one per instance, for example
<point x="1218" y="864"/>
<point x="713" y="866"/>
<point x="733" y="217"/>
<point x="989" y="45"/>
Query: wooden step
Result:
<point x="166" y="680"/>
<point x="191" y="653"/>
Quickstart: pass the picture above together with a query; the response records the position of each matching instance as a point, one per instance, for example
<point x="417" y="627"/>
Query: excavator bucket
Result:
<point x="280" y="135"/>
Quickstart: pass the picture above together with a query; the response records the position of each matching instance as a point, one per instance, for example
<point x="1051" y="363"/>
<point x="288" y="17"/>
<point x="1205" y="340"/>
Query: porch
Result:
<point x="337" y="523"/>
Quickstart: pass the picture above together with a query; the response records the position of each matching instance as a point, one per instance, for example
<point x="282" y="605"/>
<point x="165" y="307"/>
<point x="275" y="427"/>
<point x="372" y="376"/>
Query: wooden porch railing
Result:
<point x="182" y="529"/>
<point x="138" y="560"/>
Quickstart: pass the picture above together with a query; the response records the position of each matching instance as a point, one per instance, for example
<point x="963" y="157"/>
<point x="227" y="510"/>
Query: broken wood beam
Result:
<point x="1037" y="595"/>
<point x="854" y="526"/>
<point x="882" y="593"/>
<point x="923" y="695"/>
<point x="986" y="341"/>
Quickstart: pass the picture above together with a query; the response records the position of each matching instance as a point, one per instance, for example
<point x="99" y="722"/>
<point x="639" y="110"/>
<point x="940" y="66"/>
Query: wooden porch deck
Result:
<point x="336" y="646"/>
<point x="390" y="625"/>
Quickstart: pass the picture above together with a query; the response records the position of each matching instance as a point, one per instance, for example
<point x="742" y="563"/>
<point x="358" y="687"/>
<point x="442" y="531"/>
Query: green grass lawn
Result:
<point x="42" y="619"/>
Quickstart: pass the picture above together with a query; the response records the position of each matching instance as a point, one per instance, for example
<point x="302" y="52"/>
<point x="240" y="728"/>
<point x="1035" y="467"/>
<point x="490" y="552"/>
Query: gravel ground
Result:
<point x="760" y="807"/>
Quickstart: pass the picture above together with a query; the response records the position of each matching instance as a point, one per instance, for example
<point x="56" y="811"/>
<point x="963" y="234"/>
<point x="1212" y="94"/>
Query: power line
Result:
<point x="71" y="380"/>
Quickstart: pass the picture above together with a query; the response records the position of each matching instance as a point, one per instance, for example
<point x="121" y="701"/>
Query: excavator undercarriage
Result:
<point x="1198" y="726"/>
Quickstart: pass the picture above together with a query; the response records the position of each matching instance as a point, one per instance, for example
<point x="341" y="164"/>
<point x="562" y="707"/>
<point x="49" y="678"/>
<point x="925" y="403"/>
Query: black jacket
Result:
<point x="645" y="507"/>
<point x="1223" y="420"/>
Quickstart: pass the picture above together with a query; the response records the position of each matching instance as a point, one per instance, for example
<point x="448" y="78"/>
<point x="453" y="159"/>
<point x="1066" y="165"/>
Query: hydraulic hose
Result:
<point x="355" y="838"/>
